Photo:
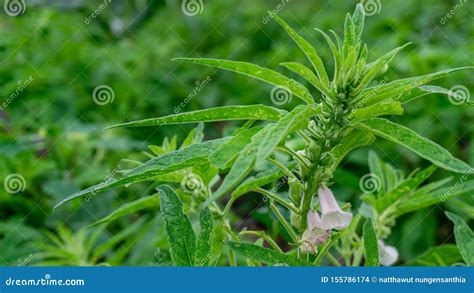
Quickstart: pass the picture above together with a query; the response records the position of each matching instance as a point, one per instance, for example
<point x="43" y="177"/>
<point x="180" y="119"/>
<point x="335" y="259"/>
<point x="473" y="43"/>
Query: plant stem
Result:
<point x="285" y="224"/>
<point x="264" y="236"/>
<point x="283" y="168"/>
<point x="276" y="198"/>
<point x="292" y="153"/>
<point x="325" y="248"/>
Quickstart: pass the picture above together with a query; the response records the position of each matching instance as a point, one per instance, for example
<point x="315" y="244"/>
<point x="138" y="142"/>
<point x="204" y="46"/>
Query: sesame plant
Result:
<point x="301" y="148"/>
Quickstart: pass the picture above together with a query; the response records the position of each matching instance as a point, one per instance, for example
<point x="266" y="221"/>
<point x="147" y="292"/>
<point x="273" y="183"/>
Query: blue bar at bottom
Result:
<point x="239" y="279"/>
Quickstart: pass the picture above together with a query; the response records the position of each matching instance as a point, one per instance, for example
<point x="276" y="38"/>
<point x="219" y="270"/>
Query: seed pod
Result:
<point x="296" y="190"/>
<point x="295" y="220"/>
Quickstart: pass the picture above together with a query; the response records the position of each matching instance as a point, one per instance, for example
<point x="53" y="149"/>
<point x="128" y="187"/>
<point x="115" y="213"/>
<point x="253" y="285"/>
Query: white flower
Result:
<point x="388" y="255"/>
<point x="332" y="217"/>
<point x="314" y="234"/>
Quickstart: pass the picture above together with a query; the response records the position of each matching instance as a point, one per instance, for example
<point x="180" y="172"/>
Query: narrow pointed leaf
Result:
<point x="130" y="208"/>
<point x="307" y="74"/>
<point x="226" y="113"/>
<point x="380" y="109"/>
<point x="351" y="141"/>
<point x="296" y="119"/>
<point x="203" y="248"/>
<point x="371" y="247"/>
<point x="265" y="255"/>
<point x="309" y="51"/>
<point x="443" y="255"/>
<point x="408" y="138"/>
<point x="179" y="230"/>
<point x="358" y="18"/>
<point x="464" y="238"/>
<point x="193" y="155"/>
<point x="261" y="73"/>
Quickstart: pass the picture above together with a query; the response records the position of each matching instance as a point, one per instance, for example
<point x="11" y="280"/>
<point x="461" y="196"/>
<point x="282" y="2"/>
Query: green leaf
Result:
<point x="294" y="120"/>
<point x="178" y="228"/>
<point x="464" y="238"/>
<point x="261" y="73"/>
<point x="223" y="157"/>
<point x="371" y="247"/>
<point x="399" y="87"/>
<point x="349" y="142"/>
<point x="358" y="18"/>
<point x="193" y="155"/>
<point x="307" y="74"/>
<point x="349" y="34"/>
<point x="309" y="51"/>
<point x="410" y="139"/>
<point x="380" y="109"/>
<point x="196" y="135"/>
<point x="226" y="113"/>
<point x="443" y="255"/>
<point x="377" y="169"/>
<point x="403" y="189"/>
<point x="242" y="167"/>
<point x="374" y="68"/>
<point x="130" y="208"/>
<point x="335" y="53"/>
<point x="203" y="249"/>
<point x="265" y="255"/>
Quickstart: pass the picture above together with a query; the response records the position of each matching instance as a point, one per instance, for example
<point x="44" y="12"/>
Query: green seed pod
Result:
<point x="313" y="151"/>
<point x="296" y="190"/>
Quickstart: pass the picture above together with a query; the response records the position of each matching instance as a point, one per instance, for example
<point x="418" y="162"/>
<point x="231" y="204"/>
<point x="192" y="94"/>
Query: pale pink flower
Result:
<point x="332" y="217"/>
<point x="388" y="255"/>
<point x="314" y="234"/>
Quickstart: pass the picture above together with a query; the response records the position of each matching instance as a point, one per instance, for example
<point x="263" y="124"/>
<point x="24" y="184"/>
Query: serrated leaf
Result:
<point x="179" y="230"/>
<point x="265" y="255"/>
<point x="261" y="73"/>
<point x="294" y="120"/>
<point x="130" y="208"/>
<point x="307" y="74"/>
<point x="226" y="113"/>
<point x="203" y="248"/>
<point x="398" y="88"/>
<point x="309" y="51"/>
<point x="379" y="109"/>
<point x="225" y="154"/>
<point x="371" y="248"/>
<point x="443" y="255"/>
<point x="408" y="138"/>
<point x="193" y="155"/>
<point x="464" y="238"/>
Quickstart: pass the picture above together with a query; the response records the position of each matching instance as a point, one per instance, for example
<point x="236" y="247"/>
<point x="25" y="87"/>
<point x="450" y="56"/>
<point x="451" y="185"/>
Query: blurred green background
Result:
<point x="56" y="53"/>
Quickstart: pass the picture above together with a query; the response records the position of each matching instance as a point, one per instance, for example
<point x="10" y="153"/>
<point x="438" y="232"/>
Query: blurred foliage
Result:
<point x="51" y="129"/>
